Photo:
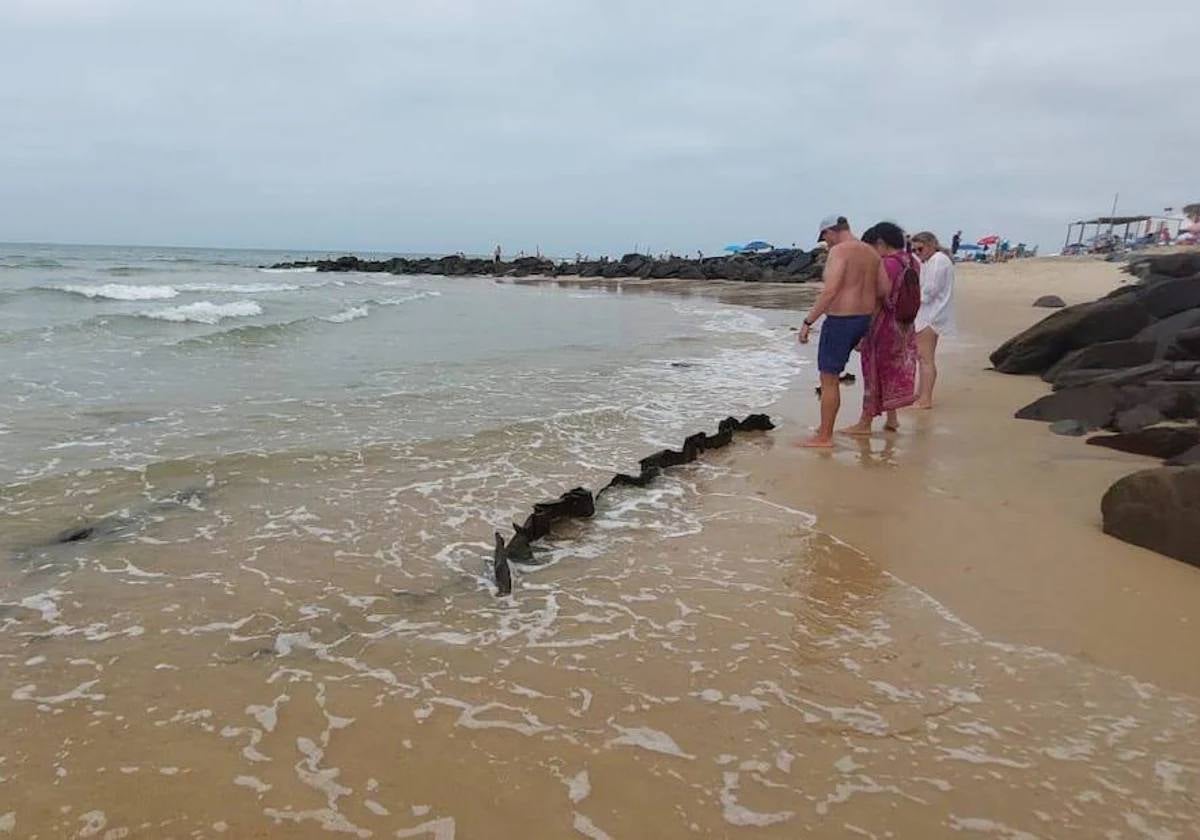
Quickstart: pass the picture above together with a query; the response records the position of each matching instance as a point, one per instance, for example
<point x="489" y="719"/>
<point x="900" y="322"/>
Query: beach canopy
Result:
<point x="733" y="249"/>
<point x="758" y="245"/>
<point x="990" y="239"/>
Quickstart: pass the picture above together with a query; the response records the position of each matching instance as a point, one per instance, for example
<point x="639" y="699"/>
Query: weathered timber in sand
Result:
<point x="580" y="503"/>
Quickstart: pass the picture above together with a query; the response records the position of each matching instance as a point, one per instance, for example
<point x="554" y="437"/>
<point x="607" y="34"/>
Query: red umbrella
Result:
<point x="990" y="239"/>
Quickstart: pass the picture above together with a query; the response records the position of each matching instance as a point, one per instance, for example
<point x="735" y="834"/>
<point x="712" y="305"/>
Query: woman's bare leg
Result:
<point x="927" y="341"/>
<point x="893" y="422"/>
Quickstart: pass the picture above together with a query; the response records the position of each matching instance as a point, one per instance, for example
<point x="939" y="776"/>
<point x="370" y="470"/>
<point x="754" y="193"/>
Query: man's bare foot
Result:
<point x="814" y="442"/>
<point x="858" y="430"/>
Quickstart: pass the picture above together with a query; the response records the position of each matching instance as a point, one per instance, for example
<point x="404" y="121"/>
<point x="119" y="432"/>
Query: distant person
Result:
<point x="936" y="315"/>
<point x="496" y="256"/>
<point x="847" y="301"/>
<point x="955" y="241"/>
<point x="889" y="349"/>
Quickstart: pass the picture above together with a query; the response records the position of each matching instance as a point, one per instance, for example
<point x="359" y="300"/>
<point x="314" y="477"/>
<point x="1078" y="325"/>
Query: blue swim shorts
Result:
<point x="839" y="335"/>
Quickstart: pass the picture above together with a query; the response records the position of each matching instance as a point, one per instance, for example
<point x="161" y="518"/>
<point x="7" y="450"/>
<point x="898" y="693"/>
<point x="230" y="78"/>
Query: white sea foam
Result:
<point x="352" y="313"/>
<point x="120" y="291"/>
<point x="205" y="312"/>
<point x="302" y="270"/>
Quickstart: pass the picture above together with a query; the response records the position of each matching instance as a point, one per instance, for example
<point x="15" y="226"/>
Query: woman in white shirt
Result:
<point x="935" y="318"/>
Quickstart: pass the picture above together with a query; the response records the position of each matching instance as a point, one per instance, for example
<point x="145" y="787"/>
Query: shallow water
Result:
<point x="284" y="625"/>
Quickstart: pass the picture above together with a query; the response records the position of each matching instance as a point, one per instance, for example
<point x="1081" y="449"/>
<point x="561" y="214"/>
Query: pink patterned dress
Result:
<point x="889" y="350"/>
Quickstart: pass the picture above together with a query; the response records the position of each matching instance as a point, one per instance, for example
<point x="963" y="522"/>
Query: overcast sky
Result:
<point x="585" y="126"/>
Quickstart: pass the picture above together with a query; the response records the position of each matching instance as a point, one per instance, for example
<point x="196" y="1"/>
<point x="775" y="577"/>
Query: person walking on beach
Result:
<point x="936" y="315"/>
<point x="496" y="256"/>
<point x="889" y="349"/>
<point x="847" y="301"/>
<point x="955" y="241"/>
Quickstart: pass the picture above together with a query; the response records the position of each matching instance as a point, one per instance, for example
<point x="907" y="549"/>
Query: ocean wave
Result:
<point x="304" y="270"/>
<point x="252" y="334"/>
<point x="116" y="291"/>
<point x="396" y="301"/>
<point x="29" y="262"/>
<point x="239" y="288"/>
<point x="352" y="313"/>
<point x="127" y="270"/>
<point x="246" y="335"/>
<point x="205" y="312"/>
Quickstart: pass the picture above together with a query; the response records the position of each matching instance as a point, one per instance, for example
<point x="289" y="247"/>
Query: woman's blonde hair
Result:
<point x="927" y="238"/>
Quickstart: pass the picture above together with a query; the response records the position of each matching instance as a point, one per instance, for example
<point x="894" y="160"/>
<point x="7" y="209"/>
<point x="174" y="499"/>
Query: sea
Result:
<point x="246" y="528"/>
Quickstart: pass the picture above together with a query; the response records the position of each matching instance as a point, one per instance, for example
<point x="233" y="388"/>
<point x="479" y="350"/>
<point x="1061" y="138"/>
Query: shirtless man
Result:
<point x="848" y="304"/>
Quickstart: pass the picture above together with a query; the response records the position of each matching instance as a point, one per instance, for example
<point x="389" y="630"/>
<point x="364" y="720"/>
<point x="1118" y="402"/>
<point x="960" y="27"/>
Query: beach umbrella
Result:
<point x="990" y="239"/>
<point x="733" y="249"/>
<point x="759" y="245"/>
<point x="967" y="246"/>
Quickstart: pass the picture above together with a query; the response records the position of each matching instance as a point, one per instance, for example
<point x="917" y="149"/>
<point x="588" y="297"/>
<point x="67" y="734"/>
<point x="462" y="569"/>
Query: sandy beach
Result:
<point x="921" y="635"/>
<point x="996" y="517"/>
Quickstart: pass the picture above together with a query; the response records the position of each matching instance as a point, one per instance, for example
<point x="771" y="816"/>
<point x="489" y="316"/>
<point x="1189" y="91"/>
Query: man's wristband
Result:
<point x="808" y="323"/>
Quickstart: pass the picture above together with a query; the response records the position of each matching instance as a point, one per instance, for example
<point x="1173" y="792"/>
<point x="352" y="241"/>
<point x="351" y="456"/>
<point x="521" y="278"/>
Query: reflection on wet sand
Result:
<point x="696" y="659"/>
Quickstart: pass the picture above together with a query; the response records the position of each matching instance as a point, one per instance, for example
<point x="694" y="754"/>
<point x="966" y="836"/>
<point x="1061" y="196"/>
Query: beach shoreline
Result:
<point x="996" y="518"/>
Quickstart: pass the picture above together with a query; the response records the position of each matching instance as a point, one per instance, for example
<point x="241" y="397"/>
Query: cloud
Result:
<point x="582" y="126"/>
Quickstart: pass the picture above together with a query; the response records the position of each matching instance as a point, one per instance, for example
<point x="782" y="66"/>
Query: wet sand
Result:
<point x="922" y="635"/>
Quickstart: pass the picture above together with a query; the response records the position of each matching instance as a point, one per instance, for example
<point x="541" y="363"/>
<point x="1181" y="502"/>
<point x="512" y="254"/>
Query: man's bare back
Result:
<point x="852" y="271"/>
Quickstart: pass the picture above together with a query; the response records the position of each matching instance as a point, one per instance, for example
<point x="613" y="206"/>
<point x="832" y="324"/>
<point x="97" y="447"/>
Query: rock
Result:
<point x="1127" y="289"/>
<point x="1091" y="405"/>
<point x="1098" y="406"/>
<point x="1137" y="418"/>
<point x="1164" y="332"/>
<point x="1182" y="264"/>
<point x="1161" y="371"/>
<point x="1185" y="459"/>
<point x="1107" y="355"/>
<point x="1171" y="297"/>
<point x="1155" y="442"/>
<point x="1106" y="376"/>
<point x="1070" y="428"/>
<point x="1043" y="344"/>
<point x="1050" y="302"/>
<point x="1158" y="509"/>
<point x="1185" y="346"/>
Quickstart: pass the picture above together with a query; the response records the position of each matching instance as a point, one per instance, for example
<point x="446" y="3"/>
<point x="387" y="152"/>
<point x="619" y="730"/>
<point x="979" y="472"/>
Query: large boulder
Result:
<point x="1043" y="344"/>
<point x="1185" y="346"/>
<point x="1102" y="404"/>
<point x="1107" y="355"/>
<point x="1092" y="405"/>
<point x="1108" y="376"/>
<point x="1163" y="332"/>
<point x="1155" y="442"/>
<point x="1182" y="264"/>
<point x="1186" y="459"/>
<point x="1169" y="297"/>
<point x="1158" y="509"/>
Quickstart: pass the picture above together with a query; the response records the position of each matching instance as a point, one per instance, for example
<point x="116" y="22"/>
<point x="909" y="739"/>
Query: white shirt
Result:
<point x="937" y="295"/>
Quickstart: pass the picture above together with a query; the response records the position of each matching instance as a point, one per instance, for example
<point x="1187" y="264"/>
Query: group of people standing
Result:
<point x="869" y="304"/>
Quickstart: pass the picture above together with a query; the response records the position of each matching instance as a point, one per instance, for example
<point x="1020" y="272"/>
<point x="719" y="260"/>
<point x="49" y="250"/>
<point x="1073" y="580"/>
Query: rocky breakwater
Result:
<point x="1129" y="364"/>
<point x="790" y="265"/>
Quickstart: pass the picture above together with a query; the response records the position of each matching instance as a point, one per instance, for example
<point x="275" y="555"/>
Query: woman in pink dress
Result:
<point x="889" y="349"/>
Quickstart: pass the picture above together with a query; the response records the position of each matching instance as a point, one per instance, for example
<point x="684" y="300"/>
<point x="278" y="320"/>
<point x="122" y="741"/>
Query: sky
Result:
<point x="593" y="126"/>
